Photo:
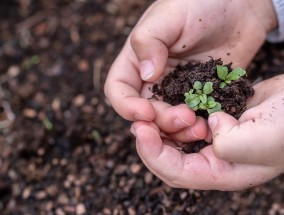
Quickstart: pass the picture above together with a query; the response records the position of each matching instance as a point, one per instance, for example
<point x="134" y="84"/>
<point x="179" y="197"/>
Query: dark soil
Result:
<point x="233" y="97"/>
<point x="67" y="151"/>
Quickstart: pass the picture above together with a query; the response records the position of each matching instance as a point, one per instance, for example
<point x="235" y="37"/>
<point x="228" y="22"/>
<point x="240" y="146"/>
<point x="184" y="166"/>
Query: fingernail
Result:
<point x="213" y="122"/>
<point x="180" y="123"/>
<point x="147" y="69"/>
<point x="196" y="136"/>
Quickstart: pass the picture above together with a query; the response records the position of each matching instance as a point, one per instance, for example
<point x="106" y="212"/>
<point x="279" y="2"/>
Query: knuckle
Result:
<point x="219" y="149"/>
<point x="137" y="37"/>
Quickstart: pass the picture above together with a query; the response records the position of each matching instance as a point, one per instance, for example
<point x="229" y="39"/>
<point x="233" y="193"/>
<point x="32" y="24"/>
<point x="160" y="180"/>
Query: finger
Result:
<point x="263" y="93"/>
<point x="198" y="131"/>
<point x="122" y="89"/>
<point x="245" y="142"/>
<point x="196" y="171"/>
<point x="170" y="118"/>
<point x="151" y="38"/>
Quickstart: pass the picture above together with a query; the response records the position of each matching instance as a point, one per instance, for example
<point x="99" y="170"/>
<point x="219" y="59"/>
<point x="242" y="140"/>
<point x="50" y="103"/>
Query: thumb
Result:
<point x="151" y="52"/>
<point x="244" y="142"/>
<point x="153" y="36"/>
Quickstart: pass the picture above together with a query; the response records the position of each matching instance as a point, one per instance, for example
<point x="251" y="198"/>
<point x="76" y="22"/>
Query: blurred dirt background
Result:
<point x="67" y="151"/>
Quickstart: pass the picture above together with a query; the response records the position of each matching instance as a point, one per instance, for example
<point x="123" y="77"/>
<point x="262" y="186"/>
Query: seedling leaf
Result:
<point x="228" y="81"/>
<point x="194" y="108"/>
<point x="198" y="97"/>
<point x="202" y="106"/>
<point x="218" y="107"/>
<point x="222" y="72"/>
<point x="236" y="74"/>
<point x="47" y="123"/>
<point x="211" y="104"/>
<point x="208" y="88"/>
<point x="203" y="98"/>
<point x="193" y="103"/>
<point x="197" y="85"/>
<point x="190" y="97"/>
<point x="192" y="100"/>
<point x="210" y="98"/>
<point x="222" y="85"/>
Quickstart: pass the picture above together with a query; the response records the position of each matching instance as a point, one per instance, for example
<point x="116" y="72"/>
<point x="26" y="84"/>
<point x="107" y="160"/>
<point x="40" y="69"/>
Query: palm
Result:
<point x="201" y="170"/>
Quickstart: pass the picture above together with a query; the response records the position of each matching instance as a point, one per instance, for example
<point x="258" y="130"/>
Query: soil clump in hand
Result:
<point x="232" y="97"/>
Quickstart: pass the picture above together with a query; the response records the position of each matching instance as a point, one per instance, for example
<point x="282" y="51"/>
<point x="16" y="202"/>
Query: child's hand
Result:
<point x="245" y="152"/>
<point x="257" y="138"/>
<point x="172" y="32"/>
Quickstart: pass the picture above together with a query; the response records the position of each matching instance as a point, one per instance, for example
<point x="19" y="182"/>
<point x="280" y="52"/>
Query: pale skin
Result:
<point x="245" y="152"/>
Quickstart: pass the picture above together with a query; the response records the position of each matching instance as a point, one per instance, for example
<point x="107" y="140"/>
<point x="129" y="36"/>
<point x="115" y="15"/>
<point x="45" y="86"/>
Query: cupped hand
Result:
<point x="176" y="32"/>
<point x="257" y="138"/>
<point x="245" y="152"/>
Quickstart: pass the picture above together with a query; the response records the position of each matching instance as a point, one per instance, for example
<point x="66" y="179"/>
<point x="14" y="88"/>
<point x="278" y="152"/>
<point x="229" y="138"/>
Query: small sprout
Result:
<point x="211" y="105"/>
<point x="47" y="123"/>
<point x="35" y="59"/>
<point x="30" y="62"/>
<point x="96" y="136"/>
<point x="208" y="88"/>
<point x="226" y="77"/>
<point x="198" y="98"/>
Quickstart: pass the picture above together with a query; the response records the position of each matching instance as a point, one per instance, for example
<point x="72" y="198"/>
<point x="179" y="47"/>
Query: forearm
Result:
<point x="278" y="34"/>
<point x="264" y="11"/>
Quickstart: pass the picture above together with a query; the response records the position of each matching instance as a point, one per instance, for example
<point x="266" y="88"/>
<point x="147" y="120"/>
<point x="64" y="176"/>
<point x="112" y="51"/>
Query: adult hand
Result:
<point x="245" y="152"/>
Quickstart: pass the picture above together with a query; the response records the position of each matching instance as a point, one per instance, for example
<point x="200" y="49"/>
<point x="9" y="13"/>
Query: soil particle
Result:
<point x="194" y="147"/>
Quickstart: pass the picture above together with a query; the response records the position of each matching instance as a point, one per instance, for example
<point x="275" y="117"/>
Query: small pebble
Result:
<point x="13" y="71"/>
<point x="135" y="168"/>
<point x="41" y="195"/>
<point x="29" y="113"/>
<point x="26" y="192"/>
<point x="79" y="100"/>
<point x="80" y="209"/>
<point x="59" y="211"/>
<point x="56" y="104"/>
<point x="63" y="199"/>
<point x="83" y="65"/>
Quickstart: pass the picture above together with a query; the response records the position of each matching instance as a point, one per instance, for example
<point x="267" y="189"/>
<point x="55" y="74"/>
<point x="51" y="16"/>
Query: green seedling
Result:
<point x="95" y="135"/>
<point x="47" y="123"/>
<point x="32" y="61"/>
<point x="198" y="98"/>
<point x="226" y="77"/>
<point x="211" y="105"/>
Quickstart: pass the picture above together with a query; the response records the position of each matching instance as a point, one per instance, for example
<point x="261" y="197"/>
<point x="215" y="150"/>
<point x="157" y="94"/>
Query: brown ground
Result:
<point x="67" y="152"/>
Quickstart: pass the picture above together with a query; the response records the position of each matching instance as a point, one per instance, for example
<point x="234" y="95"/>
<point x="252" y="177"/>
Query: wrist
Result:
<point x="264" y="12"/>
